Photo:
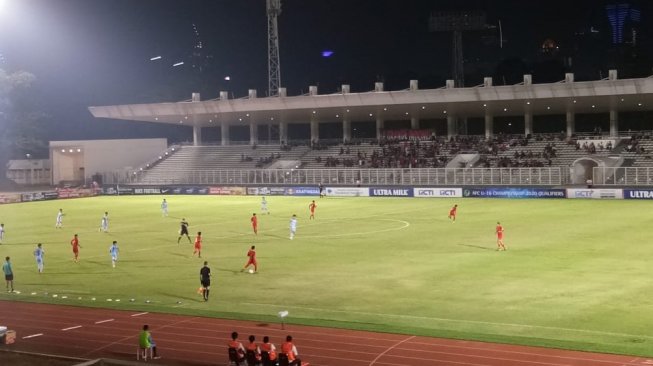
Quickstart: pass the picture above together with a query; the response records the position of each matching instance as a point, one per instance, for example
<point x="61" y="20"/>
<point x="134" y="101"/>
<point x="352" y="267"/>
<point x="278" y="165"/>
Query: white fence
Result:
<point x="623" y="176"/>
<point x="442" y="176"/>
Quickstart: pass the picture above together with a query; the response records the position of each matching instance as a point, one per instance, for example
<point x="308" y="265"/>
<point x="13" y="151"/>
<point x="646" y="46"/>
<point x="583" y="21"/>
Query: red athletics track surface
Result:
<point x="185" y="340"/>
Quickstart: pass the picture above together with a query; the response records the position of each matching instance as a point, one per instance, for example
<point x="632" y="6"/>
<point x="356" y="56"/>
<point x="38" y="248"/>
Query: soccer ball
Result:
<point x="251" y="271"/>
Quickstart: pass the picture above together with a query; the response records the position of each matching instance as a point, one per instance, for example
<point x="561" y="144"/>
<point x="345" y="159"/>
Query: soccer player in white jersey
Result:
<point x="293" y="226"/>
<point x="2" y="232"/>
<point x="164" y="208"/>
<point x="104" y="223"/>
<point x="60" y="216"/>
<point x="113" y="250"/>
<point x="264" y="205"/>
<point x="39" y="252"/>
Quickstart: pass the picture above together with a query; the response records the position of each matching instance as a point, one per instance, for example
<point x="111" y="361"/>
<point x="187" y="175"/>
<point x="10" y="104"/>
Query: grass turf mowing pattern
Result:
<point x="575" y="274"/>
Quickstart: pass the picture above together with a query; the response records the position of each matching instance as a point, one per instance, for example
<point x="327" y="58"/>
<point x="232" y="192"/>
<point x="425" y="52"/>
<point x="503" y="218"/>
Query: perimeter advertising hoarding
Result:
<point x="391" y="192"/>
<point x="39" y="196"/>
<point x="9" y="198"/>
<point x="438" y="192"/>
<point x="638" y="194"/>
<point x="283" y="191"/>
<point x="75" y="192"/>
<point x="602" y="193"/>
<point x="513" y="193"/>
<point x="227" y="191"/>
<point x="117" y="190"/>
<point x="147" y="190"/>
<point x="347" y="192"/>
<point x="303" y="191"/>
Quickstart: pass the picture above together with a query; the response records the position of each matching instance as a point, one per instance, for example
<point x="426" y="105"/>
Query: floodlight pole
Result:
<point x="274" y="66"/>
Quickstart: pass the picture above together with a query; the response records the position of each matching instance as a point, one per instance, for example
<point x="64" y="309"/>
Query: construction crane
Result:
<point x="274" y="67"/>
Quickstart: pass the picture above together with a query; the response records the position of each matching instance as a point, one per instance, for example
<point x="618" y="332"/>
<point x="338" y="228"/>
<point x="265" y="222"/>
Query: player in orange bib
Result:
<point x="254" y="221"/>
<point x="499" y="231"/>
<point x="312" y="207"/>
<point x="251" y="253"/>
<point x="452" y="213"/>
<point x="75" y="244"/>
<point x="198" y="245"/>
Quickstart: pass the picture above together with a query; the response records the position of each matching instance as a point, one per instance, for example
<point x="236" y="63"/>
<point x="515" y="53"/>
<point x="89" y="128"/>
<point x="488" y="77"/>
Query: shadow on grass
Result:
<point x="476" y="246"/>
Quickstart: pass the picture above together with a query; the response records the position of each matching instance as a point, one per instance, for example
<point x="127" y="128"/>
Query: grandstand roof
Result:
<point x="515" y="100"/>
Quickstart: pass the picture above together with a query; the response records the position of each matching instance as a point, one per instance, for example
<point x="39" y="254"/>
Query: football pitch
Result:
<point x="576" y="274"/>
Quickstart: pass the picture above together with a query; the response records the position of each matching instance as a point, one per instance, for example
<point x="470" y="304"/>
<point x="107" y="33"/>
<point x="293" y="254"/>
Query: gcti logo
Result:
<point x="447" y="192"/>
<point x="425" y="192"/>
<point x="583" y="194"/>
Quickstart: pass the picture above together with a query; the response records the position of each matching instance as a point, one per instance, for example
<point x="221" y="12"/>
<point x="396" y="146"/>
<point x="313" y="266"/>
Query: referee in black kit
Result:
<point x="205" y="280"/>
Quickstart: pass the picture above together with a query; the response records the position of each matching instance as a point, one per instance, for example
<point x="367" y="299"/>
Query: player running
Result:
<point x="312" y="207"/>
<point x="251" y="253"/>
<point x="499" y="231"/>
<point x="452" y="213"/>
<point x="164" y="208"/>
<point x="254" y="221"/>
<point x="293" y="226"/>
<point x="104" y="223"/>
<point x="183" y="230"/>
<point x="75" y="244"/>
<point x="60" y="215"/>
<point x="114" y="250"/>
<point x="2" y="232"/>
<point x="39" y="252"/>
<point x="198" y="245"/>
<point x="264" y="205"/>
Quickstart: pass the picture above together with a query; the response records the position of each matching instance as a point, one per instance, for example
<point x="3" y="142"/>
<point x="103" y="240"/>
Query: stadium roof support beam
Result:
<point x="528" y="122"/>
<point x="224" y="133"/>
<point x="452" y="127"/>
<point x="315" y="129"/>
<point x="571" y="122"/>
<point x="380" y="125"/>
<point x="489" y="125"/>
<point x="614" y="122"/>
<point x="346" y="129"/>
<point x="283" y="133"/>
<point x="197" y="135"/>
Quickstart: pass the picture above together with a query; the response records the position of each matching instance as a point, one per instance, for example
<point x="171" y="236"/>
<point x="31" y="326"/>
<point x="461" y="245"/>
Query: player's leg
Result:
<point x="255" y="266"/>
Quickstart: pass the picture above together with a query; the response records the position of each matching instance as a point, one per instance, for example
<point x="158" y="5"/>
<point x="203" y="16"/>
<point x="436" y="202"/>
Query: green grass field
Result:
<point x="576" y="274"/>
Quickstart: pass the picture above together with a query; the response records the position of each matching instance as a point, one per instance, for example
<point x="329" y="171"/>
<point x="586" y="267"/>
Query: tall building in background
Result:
<point x="624" y="20"/>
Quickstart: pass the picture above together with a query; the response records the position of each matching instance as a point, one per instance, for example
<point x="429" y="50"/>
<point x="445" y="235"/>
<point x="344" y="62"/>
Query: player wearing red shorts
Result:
<point x="499" y="231"/>
<point x="254" y="221"/>
<point x="311" y="207"/>
<point x="452" y="213"/>
<point x="251" y="253"/>
<point x="75" y="244"/>
<point x="198" y="245"/>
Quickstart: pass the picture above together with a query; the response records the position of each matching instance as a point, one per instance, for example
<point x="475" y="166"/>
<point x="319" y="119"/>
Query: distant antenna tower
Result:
<point x="457" y="23"/>
<point x="274" y="67"/>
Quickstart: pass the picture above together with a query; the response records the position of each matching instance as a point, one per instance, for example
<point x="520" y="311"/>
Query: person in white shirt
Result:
<point x="264" y="205"/>
<point x="104" y="224"/>
<point x="293" y="226"/>
<point x="60" y="216"/>
<point x="2" y="232"/>
<point x="164" y="208"/>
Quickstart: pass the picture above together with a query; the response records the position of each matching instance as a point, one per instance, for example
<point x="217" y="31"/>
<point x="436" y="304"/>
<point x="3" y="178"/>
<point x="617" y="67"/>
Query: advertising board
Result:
<point x="10" y="198"/>
<point x="437" y="192"/>
<point x="391" y="192"/>
<point x="347" y="192"/>
<point x="638" y="194"/>
<point x="513" y="193"/>
<point x="602" y="193"/>
<point x="228" y="191"/>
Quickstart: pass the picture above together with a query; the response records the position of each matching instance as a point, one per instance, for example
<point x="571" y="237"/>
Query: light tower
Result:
<point x="457" y="22"/>
<point x="274" y="67"/>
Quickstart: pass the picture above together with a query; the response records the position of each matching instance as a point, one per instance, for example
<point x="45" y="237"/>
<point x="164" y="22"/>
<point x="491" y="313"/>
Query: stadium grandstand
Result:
<point x="425" y="142"/>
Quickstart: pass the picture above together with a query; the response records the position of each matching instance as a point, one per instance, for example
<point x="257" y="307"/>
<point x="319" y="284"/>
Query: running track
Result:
<point x="184" y="340"/>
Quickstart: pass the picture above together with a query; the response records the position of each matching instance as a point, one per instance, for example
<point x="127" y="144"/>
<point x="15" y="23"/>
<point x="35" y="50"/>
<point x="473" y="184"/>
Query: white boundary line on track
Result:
<point x="390" y="349"/>
<point x="71" y="328"/>
<point x="104" y="321"/>
<point x="139" y="314"/>
<point x="33" y="335"/>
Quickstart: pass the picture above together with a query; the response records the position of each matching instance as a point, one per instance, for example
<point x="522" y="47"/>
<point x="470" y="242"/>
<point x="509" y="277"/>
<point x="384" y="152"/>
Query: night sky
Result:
<point x="97" y="52"/>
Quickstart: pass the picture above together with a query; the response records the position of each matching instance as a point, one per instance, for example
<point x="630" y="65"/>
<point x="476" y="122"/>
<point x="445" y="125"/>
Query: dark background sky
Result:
<point x="97" y="52"/>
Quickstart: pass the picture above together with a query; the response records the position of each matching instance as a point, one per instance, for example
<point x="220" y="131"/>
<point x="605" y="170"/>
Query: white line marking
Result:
<point x="71" y="328"/>
<point x="390" y="349"/>
<point x="33" y="335"/>
<point x="404" y="226"/>
<point x="104" y="321"/>
<point x="139" y="314"/>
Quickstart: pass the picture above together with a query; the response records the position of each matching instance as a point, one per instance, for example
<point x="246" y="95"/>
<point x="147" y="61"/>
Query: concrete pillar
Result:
<point x="315" y="129"/>
<point x="345" y="88"/>
<point x="378" y="87"/>
<point x="569" y="77"/>
<point x="614" y="122"/>
<point x="452" y="127"/>
<point x="414" y="123"/>
<point x="252" y="93"/>
<point x="487" y="81"/>
<point x="197" y="135"/>
<point x="195" y="97"/>
<point x="528" y="79"/>
<point x="253" y="133"/>
<point x="489" y="125"/>
<point x="612" y="75"/>
<point x="380" y="125"/>
<point x="346" y="130"/>
<point x="224" y="131"/>
<point x="283" y="132"/>
<point x="571" y="122"/>
<point x="450" y="84"/>
<point x="312" y="90"/>
<point x="282" y="92"/>
<point x="224" y="95"/>
<point x="528" y="123"/>
<point x="414" y="85"/>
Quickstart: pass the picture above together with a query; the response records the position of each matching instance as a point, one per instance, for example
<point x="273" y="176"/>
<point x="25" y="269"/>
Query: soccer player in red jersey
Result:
<point x="198" y="245"/>
<point x="251" y="253"/>
<point x="75" y="244"/>
<point x="499" y="231"/>
<point x="254" y="221"/>
<point x="311" y="207"/>
<point x="452" y="213"/>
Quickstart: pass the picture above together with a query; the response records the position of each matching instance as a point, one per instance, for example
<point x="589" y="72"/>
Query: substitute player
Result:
<point x="205" y="280"/>
<point x="198" y="245"/>
<point x="60" y="215"/>
<point x="264" y="205"/>
<point x="312" y="207"/>
<point x="452" y="213"/>
<point x="113" y="251"/>
<point x="104" y="223"/>
<point x="183" y="230"/>
<point x="293" y="226"/>
<point x="251" y="253"/>
<point x="39" y="252"/>
<point x="75" y="244"/>
<point x="254" y="221"/>
<point x="164" y="208"/>
<point x="499" y="231"/>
